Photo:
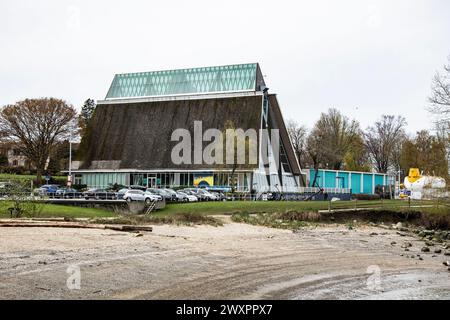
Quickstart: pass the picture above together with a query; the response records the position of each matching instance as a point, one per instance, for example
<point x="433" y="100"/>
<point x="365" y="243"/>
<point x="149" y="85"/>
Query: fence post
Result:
<point x="329" y="205"/>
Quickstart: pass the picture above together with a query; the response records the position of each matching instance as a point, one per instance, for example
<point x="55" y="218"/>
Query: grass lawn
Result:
<point x="21" y="177"/>
<point x="233" y="207"/>
<point x="230" y="207"/>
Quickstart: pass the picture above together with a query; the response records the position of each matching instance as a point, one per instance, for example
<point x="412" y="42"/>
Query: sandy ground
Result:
<point x="236" y="261"/>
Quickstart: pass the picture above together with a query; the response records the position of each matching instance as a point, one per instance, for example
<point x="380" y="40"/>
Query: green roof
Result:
<point x="232" y="78"/>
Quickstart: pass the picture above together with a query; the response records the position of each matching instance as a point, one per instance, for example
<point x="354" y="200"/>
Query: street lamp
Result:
<point x="69" y="178"/>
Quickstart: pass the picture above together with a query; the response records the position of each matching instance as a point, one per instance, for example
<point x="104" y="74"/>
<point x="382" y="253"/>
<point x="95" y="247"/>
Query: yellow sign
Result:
<point x="203" y="180"/>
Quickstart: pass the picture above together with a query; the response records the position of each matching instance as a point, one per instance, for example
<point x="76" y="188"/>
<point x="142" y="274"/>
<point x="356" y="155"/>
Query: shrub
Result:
<point x="364" y="196"/>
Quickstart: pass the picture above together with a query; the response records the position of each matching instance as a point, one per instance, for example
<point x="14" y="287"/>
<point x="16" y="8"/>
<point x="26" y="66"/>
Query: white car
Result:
<point x="139" y="195"/>
<point x="189" y="197"/>
<point x="152" y="196"/>
<point x="208" y="195"/>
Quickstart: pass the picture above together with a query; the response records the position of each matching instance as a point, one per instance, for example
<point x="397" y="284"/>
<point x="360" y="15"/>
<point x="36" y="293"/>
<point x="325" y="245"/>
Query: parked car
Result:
<point x="207" y="196"/>
<point x="99" y="194"/>
<point x="187" y="197"/>
<point x="119" y="194"/>
<point x="139" y="195"/>
<point x="152" y="196"/>
<point x="67" y="193"/>
<point x="47" y="189"/>
<point x="219" y="195"/>
<point x="172" y="193"/>
<point x="161" y="192"/>
<point x="138" y="187"/>
<point x="194" y="192"/>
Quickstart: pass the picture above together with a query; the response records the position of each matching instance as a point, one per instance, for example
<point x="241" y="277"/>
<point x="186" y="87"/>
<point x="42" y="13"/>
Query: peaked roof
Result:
<point x="230" y="78"/>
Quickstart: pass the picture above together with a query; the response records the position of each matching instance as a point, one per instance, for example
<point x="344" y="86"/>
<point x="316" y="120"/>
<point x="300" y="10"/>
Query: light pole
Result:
<point x="69" y="178"/>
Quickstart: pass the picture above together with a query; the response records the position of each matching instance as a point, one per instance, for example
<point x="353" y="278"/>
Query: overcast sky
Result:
<point x="366" y="58"/>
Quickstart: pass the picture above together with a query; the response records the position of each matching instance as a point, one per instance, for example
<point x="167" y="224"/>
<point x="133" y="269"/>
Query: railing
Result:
<point x="325" y="190"/>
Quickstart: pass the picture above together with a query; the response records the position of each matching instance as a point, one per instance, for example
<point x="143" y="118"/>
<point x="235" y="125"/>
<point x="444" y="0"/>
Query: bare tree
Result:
<point x="315" y="152"/>
<point x="298" y="134"/>
<point x="330" y="140"/>
<point x="35" y="126"/>
<point x="383" y="142"/>
<point x="334" y="134"/>
<point x="440" y="96"/>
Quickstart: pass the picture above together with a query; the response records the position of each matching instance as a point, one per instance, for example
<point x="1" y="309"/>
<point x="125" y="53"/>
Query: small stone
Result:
<point x="425" y="249"/>
<point x="446" y="263"/>
<point x="373" y="234"/>
<point x="42" y="262"/>
<point x="393" y="243"/>
<point x="401" y="234"/>
<point x="407" y="245"/>
<point x="138" y="235"/>
<point x="437" y="250"/>
<point x="429" y="243"/>
<point x="398" y="225"/>
<point x="406" y="249"/>
<point x="447" y="253"/>
<point x="419" y="280"/>
<point x="420" y="258"/>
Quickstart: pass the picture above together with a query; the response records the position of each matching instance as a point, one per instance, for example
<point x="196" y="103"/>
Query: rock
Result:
<point x="138" y="235"/>
<point x="393" y="243"/>
<point x="406" y="249"/>
<point x="448" y="269"/>
<point x="420" y="258"/>
<point x="447" y="253"/>
<point x="437" y="250"/>
<point x="437" y="239"/>
<point x="425" y="249"/>
<point x="407" y="245"/>
<point x="446" y="263"/>
<point x="373" y="234"/>
<point x="398" y="225"/>
<point x="401" y="234"/>
<point x="429" y="243"/>
<point x="42" y="262"/>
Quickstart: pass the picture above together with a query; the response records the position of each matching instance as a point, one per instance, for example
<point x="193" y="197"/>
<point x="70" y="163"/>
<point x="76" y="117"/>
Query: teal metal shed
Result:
<point x="358" y="182"/>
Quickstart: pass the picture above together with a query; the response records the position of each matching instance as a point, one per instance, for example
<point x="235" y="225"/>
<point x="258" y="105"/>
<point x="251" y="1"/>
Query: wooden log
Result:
<point x="75" y="226"/>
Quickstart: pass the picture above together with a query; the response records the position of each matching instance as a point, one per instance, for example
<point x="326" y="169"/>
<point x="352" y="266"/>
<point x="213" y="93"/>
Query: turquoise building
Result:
<point x="357" y="182"/>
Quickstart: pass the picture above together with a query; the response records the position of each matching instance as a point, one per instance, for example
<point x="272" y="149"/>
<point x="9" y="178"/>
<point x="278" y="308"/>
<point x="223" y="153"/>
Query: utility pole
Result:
<point x="69" y="178"/>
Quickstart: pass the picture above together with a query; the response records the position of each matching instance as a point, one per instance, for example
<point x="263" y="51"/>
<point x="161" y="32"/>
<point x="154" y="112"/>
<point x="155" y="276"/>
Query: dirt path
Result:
<point x="236" y="261"/>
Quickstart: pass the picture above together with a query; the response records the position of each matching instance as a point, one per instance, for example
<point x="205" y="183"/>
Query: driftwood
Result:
<point x="76" y="225"/>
